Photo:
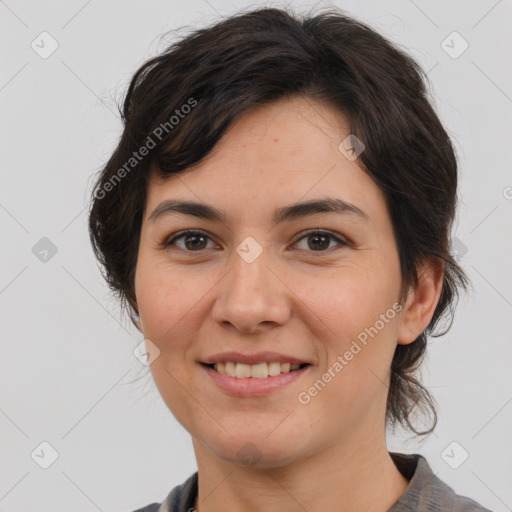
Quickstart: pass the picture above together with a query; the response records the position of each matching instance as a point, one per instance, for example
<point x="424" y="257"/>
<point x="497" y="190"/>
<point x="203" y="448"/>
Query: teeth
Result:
<point x="274" y="368"/>
<point x="256" y="371"/>
<point x="242" y="370"/>
<point x="259" y="371"/>
<point x="229" y="368"/>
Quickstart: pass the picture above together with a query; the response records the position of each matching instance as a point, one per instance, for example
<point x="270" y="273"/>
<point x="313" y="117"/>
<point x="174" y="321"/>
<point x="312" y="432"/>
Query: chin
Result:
<point x="255" y="450"/>
<point x="257" y="456"/>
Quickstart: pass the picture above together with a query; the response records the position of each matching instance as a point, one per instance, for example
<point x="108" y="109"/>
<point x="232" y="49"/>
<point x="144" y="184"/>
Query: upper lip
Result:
<point x="259" y="357"/>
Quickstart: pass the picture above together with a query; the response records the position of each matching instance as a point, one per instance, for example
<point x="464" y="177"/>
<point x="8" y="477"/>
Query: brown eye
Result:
<point x="193" y="241"/>
<point x="319" y="241"/>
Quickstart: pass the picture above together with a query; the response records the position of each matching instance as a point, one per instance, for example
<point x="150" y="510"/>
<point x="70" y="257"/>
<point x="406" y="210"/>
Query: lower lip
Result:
<point x="250" y="386"/>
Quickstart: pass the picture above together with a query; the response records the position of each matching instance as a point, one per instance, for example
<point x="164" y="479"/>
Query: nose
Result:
<point x="251" y="296"/>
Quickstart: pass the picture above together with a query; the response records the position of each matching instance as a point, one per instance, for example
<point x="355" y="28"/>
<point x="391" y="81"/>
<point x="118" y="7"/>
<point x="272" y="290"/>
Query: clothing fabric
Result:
<point x="425" y="492"/>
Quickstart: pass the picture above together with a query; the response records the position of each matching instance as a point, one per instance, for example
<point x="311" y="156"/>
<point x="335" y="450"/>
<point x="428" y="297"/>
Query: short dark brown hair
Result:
<point x="180" y="103"/>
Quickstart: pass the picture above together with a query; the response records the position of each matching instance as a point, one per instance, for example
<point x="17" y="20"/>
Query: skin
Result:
<point x="301" y="296"/>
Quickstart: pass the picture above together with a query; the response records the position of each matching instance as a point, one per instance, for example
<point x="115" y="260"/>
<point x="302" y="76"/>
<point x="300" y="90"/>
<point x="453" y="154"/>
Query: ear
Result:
<point x="421" y="302"/>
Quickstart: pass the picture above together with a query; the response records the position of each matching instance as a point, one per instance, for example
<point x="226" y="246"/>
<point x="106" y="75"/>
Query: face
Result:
<point x="303" y="285"/>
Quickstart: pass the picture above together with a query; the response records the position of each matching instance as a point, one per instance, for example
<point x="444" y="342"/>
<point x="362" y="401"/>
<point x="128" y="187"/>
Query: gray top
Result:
<point x="425" y="492"/>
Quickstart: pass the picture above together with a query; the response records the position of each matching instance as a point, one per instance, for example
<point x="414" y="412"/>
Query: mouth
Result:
<point x="254" y="380"/>
<point x="261" y="370"/>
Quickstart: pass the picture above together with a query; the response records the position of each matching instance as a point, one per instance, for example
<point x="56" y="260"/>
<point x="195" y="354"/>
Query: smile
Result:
<point x="255" y="371"/>
<point x="243" y="383"/>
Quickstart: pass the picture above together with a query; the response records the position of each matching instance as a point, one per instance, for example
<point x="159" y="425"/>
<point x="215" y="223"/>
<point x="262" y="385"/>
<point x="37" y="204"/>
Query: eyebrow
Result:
<point x="284" y="214"/>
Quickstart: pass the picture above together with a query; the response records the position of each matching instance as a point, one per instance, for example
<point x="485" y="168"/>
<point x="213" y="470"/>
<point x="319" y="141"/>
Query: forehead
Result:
<point x="275" y="154"/>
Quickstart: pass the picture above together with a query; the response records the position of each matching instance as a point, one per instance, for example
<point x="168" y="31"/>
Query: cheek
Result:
<point x="350" y="299"/>
<point x="358" y="324"/>
<point x="168" y="303"/>
<point x="358" y="349"/>
<point x="170" y="299"/>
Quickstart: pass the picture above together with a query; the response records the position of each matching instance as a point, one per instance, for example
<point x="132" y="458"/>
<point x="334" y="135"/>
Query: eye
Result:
<point x="193" y="241"/>
<point x="196" y="241"/>
<point x="320" y="240"/>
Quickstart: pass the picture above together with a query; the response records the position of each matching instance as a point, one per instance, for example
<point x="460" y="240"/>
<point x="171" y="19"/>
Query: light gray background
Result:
<point x="68" y="375"/>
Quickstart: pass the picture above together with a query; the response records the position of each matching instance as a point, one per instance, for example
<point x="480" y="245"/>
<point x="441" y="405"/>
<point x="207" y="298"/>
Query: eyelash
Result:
<point x="182" y="234"/>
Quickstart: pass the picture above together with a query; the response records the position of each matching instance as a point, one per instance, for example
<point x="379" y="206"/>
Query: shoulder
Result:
<point x="426" y="492"/>
<point x="180" y="499"/>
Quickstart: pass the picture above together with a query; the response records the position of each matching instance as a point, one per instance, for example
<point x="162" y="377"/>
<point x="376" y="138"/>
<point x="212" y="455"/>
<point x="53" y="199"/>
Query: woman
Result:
<point x="277" y="218"/>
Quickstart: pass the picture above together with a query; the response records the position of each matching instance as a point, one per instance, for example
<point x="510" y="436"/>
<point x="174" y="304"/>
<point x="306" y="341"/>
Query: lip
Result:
<point x="251" y="387"/>
<point x="260" y="357"/>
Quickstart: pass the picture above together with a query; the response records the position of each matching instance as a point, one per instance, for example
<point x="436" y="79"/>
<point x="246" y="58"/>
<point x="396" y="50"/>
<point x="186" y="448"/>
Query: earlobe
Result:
<point x="421" y="302"/>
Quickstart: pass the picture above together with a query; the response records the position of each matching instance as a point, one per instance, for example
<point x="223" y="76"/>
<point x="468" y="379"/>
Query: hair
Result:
<point x="180" y="103"/>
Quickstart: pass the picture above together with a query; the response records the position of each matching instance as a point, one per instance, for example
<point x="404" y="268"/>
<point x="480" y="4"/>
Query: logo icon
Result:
<point x="44" y="455"/>
<point x="146" y="352"/>
<point x="249" y="454"/>
<point x="44" y="45"/>
<point x="454" y="455"/>
<point x="454" y="45"/>
<point x="44" y="250"/>
<point x="249" y="250"/>
<point x="351" y="147"/>
<point x="459" y="248"/>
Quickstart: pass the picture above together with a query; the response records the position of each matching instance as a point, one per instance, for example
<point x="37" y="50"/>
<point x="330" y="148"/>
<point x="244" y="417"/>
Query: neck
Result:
<point x="358" y="474"/>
